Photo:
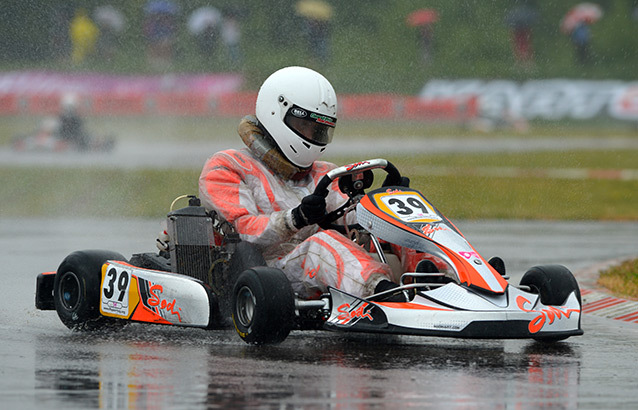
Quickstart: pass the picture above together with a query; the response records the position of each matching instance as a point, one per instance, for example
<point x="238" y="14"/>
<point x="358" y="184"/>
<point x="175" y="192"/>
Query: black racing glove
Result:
<point x="389" y="181"/>
<point x="311" y="210"/>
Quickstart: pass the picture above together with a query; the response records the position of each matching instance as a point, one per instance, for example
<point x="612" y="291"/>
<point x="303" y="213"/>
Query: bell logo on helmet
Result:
<point x="298" y="112"/>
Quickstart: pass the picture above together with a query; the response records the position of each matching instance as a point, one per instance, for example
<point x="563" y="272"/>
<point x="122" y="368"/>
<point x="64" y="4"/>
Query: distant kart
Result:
<point x="210" y="277"/>
<point x="51" y="142"/>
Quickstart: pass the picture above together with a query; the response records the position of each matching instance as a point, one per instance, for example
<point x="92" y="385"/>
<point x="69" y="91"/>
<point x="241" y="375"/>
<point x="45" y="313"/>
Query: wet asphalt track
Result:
<point x="135" y="153"/>
<point x="44" y="365"/>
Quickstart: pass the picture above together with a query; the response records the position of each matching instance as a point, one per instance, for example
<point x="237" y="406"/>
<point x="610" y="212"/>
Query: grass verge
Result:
<point x="459" y="194"/>
<point x="92" y="192"/>
<point x="622" y="279"/>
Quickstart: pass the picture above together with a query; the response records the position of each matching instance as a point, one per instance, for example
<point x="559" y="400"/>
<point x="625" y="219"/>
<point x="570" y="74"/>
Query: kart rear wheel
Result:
<point x="77" y="287"/>
<point x="263" y="306"/>
<point x="554" y="283"/>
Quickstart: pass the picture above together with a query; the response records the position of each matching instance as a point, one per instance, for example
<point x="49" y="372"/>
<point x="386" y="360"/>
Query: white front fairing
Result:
<point x="133" y="293"/>
<point x="453" y="310"/>
<point x="453" y="307"/>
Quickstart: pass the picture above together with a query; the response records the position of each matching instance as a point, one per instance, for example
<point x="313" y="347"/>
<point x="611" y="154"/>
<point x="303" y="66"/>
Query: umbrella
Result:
<point x="314" y="9"/>
<point x="422" y="17"/>
<point x="202" y="18"/>
<point x="109" y="16"/>
<point x="586" y="13"/>
<point x="161" y="7"/>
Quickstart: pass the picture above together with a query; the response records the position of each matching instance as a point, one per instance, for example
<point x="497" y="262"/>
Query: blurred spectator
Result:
<point x="83" y="33"/>
<point x="581" y="38"/>
<point x="71" y="125"/>
<point x="203" y="24"/>
<point x="160" y="31"/>
<point x="520" y="19"/>
<point x="316" y="16"/>
<point x="426" y="34"/>
<point x="111" y="23"/>
<point x="231" y="36"/>
<point x="423" y="20"/>
<point x="576" y="24"/>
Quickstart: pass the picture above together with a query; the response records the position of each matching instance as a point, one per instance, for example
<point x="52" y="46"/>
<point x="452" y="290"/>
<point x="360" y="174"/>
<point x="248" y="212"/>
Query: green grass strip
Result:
<point x="622" y="279"/>
<point x="53" y="192"/>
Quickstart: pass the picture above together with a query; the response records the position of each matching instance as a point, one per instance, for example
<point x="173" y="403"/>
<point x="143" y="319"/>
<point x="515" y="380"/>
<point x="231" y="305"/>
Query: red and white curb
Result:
<point x="602" y="304"/>
<point x="598" y="301"/>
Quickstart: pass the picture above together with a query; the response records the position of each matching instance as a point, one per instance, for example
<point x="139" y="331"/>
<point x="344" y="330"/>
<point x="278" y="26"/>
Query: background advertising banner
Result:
<point x="553" y="99"/>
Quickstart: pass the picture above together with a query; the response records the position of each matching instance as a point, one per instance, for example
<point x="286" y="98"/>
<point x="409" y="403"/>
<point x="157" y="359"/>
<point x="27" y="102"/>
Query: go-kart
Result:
<point x="211" y="279"/>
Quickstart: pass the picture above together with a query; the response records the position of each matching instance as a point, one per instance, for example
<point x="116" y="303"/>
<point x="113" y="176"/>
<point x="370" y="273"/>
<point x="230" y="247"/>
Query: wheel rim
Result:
<point x="245" y="306"/>
<point x="70" y="290"/>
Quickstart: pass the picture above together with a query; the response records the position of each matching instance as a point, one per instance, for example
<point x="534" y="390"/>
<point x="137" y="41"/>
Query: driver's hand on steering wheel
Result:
<point x="311" y="211"/>
<point x="390" y="181"/>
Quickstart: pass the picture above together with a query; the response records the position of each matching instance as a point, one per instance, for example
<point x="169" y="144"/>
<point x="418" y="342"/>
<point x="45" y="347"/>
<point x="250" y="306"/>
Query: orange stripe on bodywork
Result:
<point x="499" y="278"/>
<point x="411" y="306"/>
<point x="143" y="313"/>
<point x="134" y="297"/>
<point x="466" y="272"/>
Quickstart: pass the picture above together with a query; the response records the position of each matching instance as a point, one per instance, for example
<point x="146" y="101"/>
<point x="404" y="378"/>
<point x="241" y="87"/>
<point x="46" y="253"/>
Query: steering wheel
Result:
<point x="353" y="180"/>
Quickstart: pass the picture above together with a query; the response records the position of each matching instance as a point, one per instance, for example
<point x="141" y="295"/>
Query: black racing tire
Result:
<point x="245" y="256"/>
<point x="554" y="283"/>
<point x="263" y="306"/>
<point x="77" y="287"/>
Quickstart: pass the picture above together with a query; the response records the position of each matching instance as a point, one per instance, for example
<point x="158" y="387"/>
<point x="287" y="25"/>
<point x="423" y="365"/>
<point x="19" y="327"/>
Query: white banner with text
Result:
<point x="553" y="99"/>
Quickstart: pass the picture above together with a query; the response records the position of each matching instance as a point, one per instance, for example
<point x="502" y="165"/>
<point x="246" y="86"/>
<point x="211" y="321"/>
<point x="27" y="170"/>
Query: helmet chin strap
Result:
<point x="264" y="147"/>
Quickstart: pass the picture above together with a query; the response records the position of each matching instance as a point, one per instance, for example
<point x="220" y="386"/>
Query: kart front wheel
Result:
<point x="77" y="287"/>
<point x="554" y="283"/>
<point x="263" y="306"/>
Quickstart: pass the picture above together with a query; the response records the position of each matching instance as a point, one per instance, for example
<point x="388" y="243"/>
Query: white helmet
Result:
<point x="298" y="108"/>
<point x="69" y="102"/>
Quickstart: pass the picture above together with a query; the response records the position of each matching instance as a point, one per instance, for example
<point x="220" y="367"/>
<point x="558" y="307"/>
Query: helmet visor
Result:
<point x="311" y="126"/>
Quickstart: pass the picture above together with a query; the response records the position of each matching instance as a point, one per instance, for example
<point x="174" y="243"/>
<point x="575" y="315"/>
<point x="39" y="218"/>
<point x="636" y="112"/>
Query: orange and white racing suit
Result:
<point x="258" y="203"/>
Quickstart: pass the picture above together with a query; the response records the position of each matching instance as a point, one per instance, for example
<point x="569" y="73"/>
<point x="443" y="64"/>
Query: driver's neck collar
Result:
<point x="262" y="145"/>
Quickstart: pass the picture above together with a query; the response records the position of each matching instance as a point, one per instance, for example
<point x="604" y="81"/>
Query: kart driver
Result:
<point x="71" y="127"/>
<point x="265" y="189"/>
